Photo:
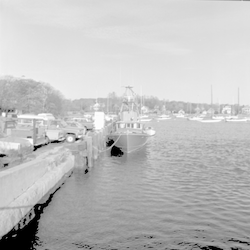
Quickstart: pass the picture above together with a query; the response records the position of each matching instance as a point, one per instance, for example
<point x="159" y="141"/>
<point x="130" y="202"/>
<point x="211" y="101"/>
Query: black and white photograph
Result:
<point x="124" y="124"/>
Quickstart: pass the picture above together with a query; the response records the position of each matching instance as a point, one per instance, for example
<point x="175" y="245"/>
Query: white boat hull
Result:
<point x="145" y="120"/>
<point x="195" y="118"/>
<point x="163" y="118"/>
<point x="236" y="120"/>
<point x="128" y="142"/>
<point x="209" y="121"/>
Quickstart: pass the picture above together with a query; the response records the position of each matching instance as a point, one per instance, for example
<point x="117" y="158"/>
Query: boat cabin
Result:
<point x="132" y="126"/>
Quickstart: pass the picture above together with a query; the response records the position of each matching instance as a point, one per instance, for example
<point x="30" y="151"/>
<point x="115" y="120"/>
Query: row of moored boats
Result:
<point x="200" y="118"/>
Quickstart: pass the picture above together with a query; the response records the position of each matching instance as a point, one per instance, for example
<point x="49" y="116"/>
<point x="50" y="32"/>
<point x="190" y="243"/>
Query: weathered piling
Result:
<point x="79" y="150"/>
<point x="89" y="151"/>
<point x="96" y="143"/>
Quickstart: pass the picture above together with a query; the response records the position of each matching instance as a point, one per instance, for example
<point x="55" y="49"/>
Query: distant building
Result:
<point x="96" y="106"/>
<point x="210" y="111"/>
<point x="181" y="112"/>
<point x="144" y="109"/>
<point x="197" y="110"/>
<point x="246" y="110"/>
<point x="227" y="110"/>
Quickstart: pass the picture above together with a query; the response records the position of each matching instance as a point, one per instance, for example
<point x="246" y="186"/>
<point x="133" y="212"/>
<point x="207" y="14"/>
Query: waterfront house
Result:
<point x="144" y="109"/>
<point x="181" y="112"/>
<point x="226" y="110"/>
<point x="246" y="110"/>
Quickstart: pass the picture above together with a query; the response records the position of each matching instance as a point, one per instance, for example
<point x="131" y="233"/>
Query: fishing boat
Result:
<point x="129" y="133"/>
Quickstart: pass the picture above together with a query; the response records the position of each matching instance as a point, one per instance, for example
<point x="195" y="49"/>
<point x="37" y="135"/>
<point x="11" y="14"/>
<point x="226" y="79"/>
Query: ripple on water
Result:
<point x="187" y="189"/>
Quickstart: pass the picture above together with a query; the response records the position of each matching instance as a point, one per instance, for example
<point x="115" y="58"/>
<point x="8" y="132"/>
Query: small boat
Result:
<point x="180" y="116"/>
<point x="209" y="120"/>
<point x="143" y="116"/>
<point x="150" y="131"/>
<point x="219" y="117"/>
<point x="163" y="117"/>
<point x="236" y="120"/>
<point x="195" y="118"/>
<point x="129" y="133"/>
<point x="145" y="119"/>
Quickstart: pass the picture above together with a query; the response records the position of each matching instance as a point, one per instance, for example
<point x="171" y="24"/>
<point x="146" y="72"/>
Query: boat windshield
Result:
<point x="130" y="125"/>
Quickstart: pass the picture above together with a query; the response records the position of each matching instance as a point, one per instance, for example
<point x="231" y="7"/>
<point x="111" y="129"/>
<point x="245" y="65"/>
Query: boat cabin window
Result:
<point x="136" y="125"/>
<point x="121" y="125"/>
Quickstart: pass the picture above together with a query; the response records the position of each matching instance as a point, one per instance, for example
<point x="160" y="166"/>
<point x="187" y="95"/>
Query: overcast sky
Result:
<point x="174" y="50"/>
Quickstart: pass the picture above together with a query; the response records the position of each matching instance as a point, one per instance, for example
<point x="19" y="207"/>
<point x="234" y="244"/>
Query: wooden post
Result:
<point x="95" y="146"/>
<point x="34" y="132"/>
<point x="99" y="140"/>
<point x="89" y="150"/>
<point x="103" y="141"/>
<point x="80" y="155"/>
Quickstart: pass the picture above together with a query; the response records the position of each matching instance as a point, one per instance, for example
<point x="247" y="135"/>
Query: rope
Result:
<point x="140" y="146"/>
<point x="128" y="152"/>
<point x="101" y="151"/>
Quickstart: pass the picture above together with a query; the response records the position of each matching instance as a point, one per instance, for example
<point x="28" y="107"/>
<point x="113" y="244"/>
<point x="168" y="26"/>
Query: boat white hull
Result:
<point x="128" y="142"/>
<point x="219" y="118"/>
<point x="163" y="118"/>
<point x="209" y="121"/>
<point x="150" y="131"/>
<point x="145" y="120"/>
<point x="195" y="118"/>
<point x="236" y="120"/>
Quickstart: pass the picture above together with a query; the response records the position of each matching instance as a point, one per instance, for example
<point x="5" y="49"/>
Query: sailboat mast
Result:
<point x="141" y="102"/>
<point x="211" y="95"/>
<point x="238" y="101"/>
<point x="108" y="104"/>
<point x="212" y="113"/>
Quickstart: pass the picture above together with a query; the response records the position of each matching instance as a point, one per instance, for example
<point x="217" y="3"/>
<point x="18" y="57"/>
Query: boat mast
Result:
<point x="211" y="95"/>
<point x="211" y="100"/>
<point x="108" y="104"/>
<point x="141" y="102"/>
<point x="129" y="99"/>
<point x="238" y="101"/>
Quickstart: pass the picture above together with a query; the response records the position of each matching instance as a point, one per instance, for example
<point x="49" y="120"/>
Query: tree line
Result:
<point x="32" y="96"/>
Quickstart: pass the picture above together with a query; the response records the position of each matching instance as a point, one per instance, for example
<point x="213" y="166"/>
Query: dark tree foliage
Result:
<point x="29" y="96"/>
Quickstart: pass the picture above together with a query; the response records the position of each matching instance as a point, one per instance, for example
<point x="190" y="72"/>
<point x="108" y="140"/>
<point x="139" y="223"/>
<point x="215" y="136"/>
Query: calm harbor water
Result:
<point x="189" y="188"/>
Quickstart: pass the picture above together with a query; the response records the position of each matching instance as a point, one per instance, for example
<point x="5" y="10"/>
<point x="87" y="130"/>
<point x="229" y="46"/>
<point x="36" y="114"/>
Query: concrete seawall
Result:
<point x="23" y="186"/>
